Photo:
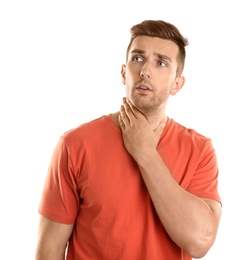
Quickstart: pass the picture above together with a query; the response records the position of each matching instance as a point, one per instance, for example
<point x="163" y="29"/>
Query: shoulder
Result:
<point x="90" y="132"/>
<point x="87" y="128"/>
<point x="188" y="136"/>
<point x="185" y="132"/>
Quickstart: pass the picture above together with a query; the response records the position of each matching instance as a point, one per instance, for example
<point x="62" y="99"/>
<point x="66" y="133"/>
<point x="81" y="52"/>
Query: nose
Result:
<point x="145" y="72"/>
<point x="142" y="74"/>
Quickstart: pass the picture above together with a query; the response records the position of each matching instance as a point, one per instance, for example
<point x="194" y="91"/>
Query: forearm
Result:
<point x="190" y="221"/>
<point x="49" y="253"/>
<point x="187" y="218"/>
<point x="52" y="240"/>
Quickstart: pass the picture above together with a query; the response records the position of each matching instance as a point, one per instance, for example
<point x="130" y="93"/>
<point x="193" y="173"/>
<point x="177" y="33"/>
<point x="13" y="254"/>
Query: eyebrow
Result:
<point x="160" y="56"/>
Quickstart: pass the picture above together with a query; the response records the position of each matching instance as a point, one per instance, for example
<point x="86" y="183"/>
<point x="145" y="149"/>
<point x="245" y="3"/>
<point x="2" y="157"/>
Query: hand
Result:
<point x="140" y="139"/>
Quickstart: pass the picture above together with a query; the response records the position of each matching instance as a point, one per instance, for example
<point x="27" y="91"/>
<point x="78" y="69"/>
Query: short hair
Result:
<point x="164" y="30"/>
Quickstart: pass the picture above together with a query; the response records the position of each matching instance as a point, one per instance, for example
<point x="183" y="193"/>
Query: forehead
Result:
<point x="153" y="45"/>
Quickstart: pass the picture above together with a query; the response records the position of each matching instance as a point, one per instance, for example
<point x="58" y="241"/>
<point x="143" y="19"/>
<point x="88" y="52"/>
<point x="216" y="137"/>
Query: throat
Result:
<point x="154" y="121"/>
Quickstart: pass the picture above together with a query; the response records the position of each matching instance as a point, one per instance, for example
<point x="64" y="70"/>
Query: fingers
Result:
<point x="130" y="115"/>
<point x="158" y="131"/>
<point x="126" y="113"/>
<point x="128" y="109"/>
<point x="122" y="118"/>
<point x="131" y="111"/>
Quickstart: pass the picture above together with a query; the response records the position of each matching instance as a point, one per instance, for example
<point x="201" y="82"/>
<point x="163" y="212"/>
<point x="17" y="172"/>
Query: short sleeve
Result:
<point x="204" y="183"/>
<point x="60" y="199"/>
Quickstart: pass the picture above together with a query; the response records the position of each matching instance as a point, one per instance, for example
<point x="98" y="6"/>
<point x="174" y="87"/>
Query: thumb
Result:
<point x="159" y="129"/>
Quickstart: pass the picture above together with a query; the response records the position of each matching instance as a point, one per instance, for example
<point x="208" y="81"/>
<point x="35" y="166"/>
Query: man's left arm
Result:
<point x="190" y="221"/>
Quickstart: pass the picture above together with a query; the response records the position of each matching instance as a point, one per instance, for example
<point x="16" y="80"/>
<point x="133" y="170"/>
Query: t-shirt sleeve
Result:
<point x="60" y="200"/>
<point x="204" y="183"/>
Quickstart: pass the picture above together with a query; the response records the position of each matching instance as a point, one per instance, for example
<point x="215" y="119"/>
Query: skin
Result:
<point x="52" y="239"/>
<point x="191" y="222"/>
<point x="150" y="78"/>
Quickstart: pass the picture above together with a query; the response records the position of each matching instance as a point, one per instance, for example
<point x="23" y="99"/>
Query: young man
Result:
<point x="134" y="184"/>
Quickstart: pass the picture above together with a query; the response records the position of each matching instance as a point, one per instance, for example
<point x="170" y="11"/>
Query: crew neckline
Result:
<point x="111" y="122"/>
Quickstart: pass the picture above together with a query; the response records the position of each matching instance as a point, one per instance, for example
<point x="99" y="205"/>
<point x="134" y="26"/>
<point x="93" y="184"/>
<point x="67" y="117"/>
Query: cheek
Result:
<point x="132" y="71"/>
<point x="164" y="94"/>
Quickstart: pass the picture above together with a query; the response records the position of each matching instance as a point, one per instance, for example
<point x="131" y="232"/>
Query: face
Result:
<point x="149" y="75"/>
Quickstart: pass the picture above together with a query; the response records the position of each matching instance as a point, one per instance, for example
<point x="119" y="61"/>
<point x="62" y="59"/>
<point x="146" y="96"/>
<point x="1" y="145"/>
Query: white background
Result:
<point x="60" y="66"/>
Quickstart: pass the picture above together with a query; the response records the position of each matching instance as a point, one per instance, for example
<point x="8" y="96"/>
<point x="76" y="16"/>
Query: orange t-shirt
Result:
<point x="94" y="182"/>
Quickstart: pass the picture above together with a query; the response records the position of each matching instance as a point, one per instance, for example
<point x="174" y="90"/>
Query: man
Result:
<point x="134" y="184"/>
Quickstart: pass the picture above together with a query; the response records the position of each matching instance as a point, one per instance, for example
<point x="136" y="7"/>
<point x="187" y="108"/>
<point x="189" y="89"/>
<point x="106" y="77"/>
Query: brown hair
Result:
<point x="164" y="30"/>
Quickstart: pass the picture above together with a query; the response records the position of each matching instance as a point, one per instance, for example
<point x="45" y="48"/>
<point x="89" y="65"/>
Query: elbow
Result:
<point x="197" y="253"/>
<point x="200" y="247"/>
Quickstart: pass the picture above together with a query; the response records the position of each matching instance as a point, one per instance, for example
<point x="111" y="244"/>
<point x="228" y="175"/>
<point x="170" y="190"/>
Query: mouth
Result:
<point x="143" y="89"/>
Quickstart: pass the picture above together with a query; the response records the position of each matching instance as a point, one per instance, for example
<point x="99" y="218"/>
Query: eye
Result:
<point x="162" y="63"/>
<point x="137" y="58"/>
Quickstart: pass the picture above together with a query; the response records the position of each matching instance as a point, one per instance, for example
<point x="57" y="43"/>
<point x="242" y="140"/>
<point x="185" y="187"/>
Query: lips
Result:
<point x="143" y="88"/>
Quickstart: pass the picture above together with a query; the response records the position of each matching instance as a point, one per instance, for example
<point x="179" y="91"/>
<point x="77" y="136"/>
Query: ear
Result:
<point x="179" y="82"/>
<point x="123" y="73"/>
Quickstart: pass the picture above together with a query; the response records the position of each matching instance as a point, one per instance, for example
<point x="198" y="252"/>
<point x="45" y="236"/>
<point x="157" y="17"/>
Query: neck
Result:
<point x="153" y="119"/>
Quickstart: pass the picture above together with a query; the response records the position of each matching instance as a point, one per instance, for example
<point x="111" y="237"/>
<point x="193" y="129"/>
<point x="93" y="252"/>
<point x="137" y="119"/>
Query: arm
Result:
<point x="191" y="222"/>
<point x="52" y="239"/>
